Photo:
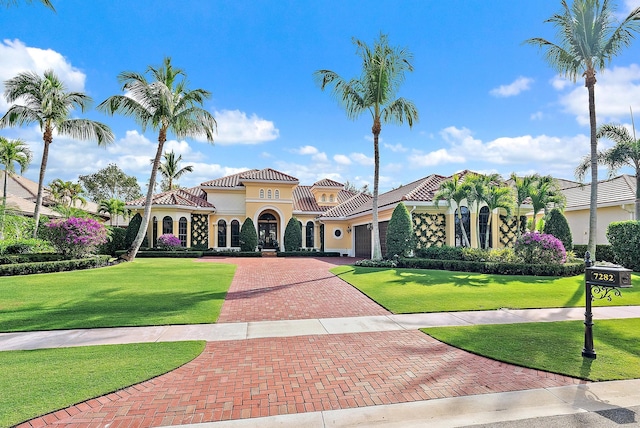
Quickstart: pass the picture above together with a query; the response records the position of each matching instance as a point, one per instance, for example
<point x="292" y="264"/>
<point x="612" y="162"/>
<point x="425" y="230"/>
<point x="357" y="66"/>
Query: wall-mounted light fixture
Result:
<point x="370" y="226"/>
<point x="348" y="229"/>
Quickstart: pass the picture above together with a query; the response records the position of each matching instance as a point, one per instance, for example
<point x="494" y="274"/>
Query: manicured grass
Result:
<point x="143" y="292"/>
<point x="418" y="290"/>
<point x="554" y="347"/>
<point x="38" y="382"/>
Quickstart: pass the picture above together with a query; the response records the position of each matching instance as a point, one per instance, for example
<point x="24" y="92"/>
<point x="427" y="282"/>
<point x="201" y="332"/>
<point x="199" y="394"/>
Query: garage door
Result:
<point x="363" y="240"/>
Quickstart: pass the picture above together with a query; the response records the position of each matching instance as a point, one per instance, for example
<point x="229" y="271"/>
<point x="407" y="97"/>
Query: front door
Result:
<point x="268" y="231"/>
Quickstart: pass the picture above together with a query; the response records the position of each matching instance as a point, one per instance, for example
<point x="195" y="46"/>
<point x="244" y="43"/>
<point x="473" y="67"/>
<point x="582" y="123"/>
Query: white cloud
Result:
<point x="617" y="89"/>
<point x="235" y="127"/>
<point x="536" y="116"/>
<point x="306" y="150"/>
<point x="397" y="148"/>
<point x="18" y="58"/>
<point x="361" y="158"/>
<point x="342" y="159"/>
<point x="439" y="157"/>
<point x="559" y="83"/>
<point x="519" y="85"/>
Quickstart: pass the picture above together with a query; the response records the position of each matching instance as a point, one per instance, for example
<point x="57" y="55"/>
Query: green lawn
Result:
<point x="139" y="293"/>
<point x="418" y="290"/>
<point x="34" y="383"/>
<point x="554" y="347"/>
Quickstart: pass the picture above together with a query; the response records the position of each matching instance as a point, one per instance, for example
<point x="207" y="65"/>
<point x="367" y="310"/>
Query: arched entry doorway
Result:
<point x="268" y="231"/>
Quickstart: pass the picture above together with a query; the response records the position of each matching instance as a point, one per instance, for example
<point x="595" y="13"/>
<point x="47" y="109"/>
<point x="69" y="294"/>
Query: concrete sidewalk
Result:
<point x="290" y="328"/>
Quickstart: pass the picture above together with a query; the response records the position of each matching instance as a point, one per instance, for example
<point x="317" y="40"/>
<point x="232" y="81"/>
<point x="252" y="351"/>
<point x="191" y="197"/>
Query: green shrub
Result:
<point x="164" y="253"/>
<point x="540" y="248"/>
<point x="496" y="255"/>
<point x="132" y="231"/>
<point x="604" y="252"/>
<point x="248" y="236"/>
<point x="624" y="237"/>
<point x="567" y="269"/>
<point x="400" y="236"/>
<point x="232" y="253"/>
<point x="30" y="258"/>
<point x="53" y="266"/>
<point x="293" y="235"/>
<point x="440" y="253"/>
<point x="558" y="226"/>
<point x="303" y="253"/>
<point x="116" y="241"/>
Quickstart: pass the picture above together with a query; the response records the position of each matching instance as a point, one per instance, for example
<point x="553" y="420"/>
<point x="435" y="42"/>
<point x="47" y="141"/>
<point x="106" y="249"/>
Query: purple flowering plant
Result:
<point x="76" y="237"/>
<point x="168" y="241"/>
<point x="540" y="248"/>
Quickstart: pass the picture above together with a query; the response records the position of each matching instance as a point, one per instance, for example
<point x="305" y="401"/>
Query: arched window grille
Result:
<point x="466" y="223"/>
<point x="222" y="233"/>
<point x="167" y="225"/>
<point x="309" y="234"/>
<point x="182" y="231"/>
<point x="483" y="220"/>
<point x="235" y="233"/>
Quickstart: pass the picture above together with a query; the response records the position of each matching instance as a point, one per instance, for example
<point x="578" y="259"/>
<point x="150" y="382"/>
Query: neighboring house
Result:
<point x="332" y="218"/>
<point x="616" y="198"/>
<point x="21" y="198"/>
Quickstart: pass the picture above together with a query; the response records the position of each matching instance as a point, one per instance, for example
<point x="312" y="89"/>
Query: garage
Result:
<point x="363" y="240"/>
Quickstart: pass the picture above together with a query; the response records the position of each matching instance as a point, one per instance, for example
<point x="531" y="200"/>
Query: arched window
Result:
<point x="154" y="238"/>
<point x="269" y="194"/>
<point x="277" y="194"/>
<point x="222" y="233"/>
<point x="309" y="234"/>
<point x="330" y="198"/>
<point x="261" y="193"/>
<point x="167" y="225"/>
<point x="466" y="223"/>
<point x="235" y="233"/>
<point x="323" y="198"/>
<point x="182" y="231"/>
<point x="483" y="220"/>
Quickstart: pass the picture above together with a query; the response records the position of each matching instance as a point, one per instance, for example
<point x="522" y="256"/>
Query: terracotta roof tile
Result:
<point x="193" y="197"/>
<point x="348" y="206"/>
<point x="228" y="181"/>
<point x="327" y="183"/>
<point x="267" y="174"/>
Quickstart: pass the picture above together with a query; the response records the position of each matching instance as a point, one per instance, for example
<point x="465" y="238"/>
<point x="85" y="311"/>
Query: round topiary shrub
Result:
<point x="248" y="236"/>
<point x="558" y="226"/>
<point x="400" y="235"/>
<point x="540" y="248"/>
<point x="293" y="235"/>
<point x="168" y="241"/>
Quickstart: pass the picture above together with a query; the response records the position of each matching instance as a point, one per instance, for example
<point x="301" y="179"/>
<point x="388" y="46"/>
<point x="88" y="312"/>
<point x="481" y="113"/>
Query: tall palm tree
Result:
<point x="626" y="152"/>
<point x="588" y="40"/>
<point x="170" y="170"/>
<point x="497" y="197"/>
<point x="47" y="103"/>
<point x="522" y="190"/>
<point x="478" y="188"/>
<point x="544" y="191"/>
<point x="383" y="69"/>
<point x="12" y="152"/>
<point x="165" y="104"/>
<point x="114" y="207"/>
<point x="455" y="190"/>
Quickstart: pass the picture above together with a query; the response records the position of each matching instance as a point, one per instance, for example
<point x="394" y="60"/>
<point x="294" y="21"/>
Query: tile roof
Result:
<point x="303" y="199"/>
<point x="236" y="180"/>
<point x="327" y="183"/>
<point x="348" y="206"/>
<point x="615" y="191"/>
<point x="228" y="181"/>
<point x="193" y="197"/>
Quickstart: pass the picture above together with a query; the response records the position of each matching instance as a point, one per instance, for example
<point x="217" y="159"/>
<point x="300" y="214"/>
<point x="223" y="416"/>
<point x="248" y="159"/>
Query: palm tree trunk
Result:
<point x="135" y="246"/>
<point x="590" y="82"/>
<point x="47" y="138"/>
<point x="637" y="195"/>
<point x="488" y="231"/>
<point x="4" y="203"/>
<point x="377" y="250"/>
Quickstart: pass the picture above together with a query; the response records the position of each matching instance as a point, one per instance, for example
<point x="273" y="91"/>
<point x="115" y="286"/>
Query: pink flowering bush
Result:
<point x="75" y="237"/>
<point x="540" y="248"/>
<point x="168" y="241"/>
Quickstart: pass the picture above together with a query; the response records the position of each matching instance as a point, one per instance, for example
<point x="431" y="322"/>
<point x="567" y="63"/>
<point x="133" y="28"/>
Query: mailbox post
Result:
<point x="601" y="282"/>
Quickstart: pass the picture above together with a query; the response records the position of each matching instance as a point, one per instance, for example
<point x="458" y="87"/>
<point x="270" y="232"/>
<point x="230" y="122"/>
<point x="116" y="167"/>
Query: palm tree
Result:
<point x="455" y="190"/>
<point x="12" y="152"/>
<point x="167" y="105"/>
<point x="47" y="103"/>
<point x="588" y="40"/>
<point x="626" y="152"/>
<point x="383" y="69"/>
<point x="497" y="197"/>
<point x="170" y="170"/>
<point x="544" y="191"/>
<point x="478" y="187"/>
<point x="522" y="190"/>
<point x="8" y="3"/>
<point x="114" y="207"/>
<point x="67" y="193"/>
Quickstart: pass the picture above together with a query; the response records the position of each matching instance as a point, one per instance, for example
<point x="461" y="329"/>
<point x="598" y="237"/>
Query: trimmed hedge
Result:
<point x="308" y="254"/>
<point x="233" y="253"/>
<point x="604" y="253"/>
<point x="164" y="253"/>
<point x="441" y="253"/>
<point x="31" y="258"/>
<point x="54" y="266"/>
<point x="567" y="269"/>
<point x="625" y="241"/>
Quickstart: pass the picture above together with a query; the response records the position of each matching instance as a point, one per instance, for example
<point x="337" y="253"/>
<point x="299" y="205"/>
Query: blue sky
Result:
<point x="486" y="101"/>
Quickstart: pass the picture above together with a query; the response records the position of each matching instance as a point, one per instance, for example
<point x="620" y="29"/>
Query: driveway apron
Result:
<point x="275" y="376"/>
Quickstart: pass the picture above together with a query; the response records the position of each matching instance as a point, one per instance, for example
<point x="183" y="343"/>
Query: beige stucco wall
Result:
<point x="579" y="222"/>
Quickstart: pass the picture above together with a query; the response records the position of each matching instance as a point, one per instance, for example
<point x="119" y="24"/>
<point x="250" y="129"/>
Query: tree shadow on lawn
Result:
<point x="109" y="308"/>
<point x="465" y="279"/>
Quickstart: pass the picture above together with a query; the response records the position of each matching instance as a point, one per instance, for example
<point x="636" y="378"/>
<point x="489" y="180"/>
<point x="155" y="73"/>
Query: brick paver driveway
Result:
<point x="273" y="376"/>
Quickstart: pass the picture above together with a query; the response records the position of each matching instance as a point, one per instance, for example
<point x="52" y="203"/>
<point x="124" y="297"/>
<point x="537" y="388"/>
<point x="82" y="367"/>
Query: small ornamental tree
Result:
<point x="293" y="235"/>
<point x="557" y="225"/>
<point x="540" y="248"/>
<point x="400" y="235"/>
<point x="168" y="241"/>
<point x="624" y="237"/>
<point x="248" y="236"/>
<point x="76" y="237"/>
